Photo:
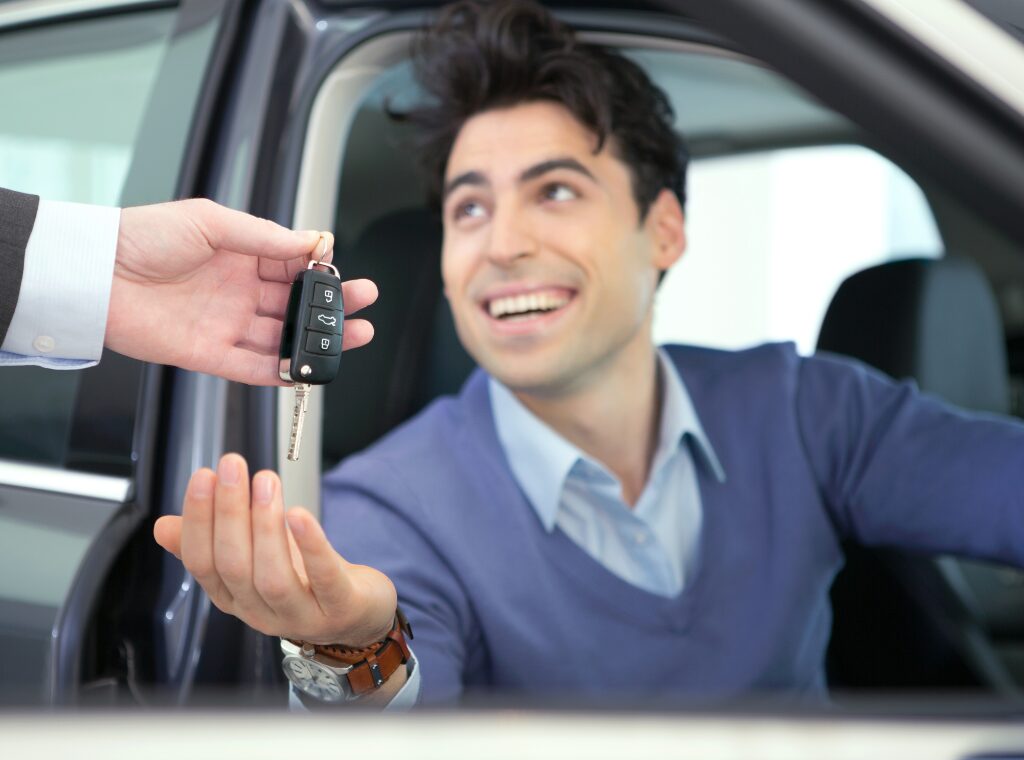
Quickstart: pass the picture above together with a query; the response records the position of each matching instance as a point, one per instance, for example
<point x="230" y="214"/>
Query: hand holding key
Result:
<point x="281" y="577"/>
<point x="204" y="287"/>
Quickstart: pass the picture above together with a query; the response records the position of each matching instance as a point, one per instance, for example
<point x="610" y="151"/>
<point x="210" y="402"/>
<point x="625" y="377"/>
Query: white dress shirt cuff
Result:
<point x="405" y="699"/>
<point x="61" y="316"/>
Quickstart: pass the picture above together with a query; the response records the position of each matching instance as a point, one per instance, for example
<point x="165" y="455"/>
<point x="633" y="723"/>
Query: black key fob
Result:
<point x="311" y="339"/>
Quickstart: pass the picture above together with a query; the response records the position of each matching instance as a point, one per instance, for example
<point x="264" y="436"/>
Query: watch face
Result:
<point x="313" y="678"/>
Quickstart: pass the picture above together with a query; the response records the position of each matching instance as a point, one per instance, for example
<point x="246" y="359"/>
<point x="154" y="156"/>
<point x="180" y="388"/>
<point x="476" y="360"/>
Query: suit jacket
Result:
<point x="17" y="217"/>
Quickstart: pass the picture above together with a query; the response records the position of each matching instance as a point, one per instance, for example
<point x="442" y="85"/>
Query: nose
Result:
<point x="509" y="239"/>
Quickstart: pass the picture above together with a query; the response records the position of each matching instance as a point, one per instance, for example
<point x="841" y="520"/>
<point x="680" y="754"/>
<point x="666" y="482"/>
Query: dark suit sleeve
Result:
<point x="900" y="468"/>
<point x="17" y="216"/>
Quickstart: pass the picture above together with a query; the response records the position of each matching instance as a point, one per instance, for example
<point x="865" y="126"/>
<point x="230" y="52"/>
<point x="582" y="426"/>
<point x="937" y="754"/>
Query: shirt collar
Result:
<point x="541" y="459"/>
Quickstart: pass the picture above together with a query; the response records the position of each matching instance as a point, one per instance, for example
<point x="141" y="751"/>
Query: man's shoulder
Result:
<point x="423" y="451"/>
<point x="755" y="364"/>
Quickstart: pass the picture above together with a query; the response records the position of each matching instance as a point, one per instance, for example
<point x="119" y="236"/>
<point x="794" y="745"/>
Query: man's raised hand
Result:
<point x="279" y="575"/>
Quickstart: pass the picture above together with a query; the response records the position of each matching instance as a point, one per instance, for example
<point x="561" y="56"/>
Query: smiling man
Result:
<point x="592" y="515"/>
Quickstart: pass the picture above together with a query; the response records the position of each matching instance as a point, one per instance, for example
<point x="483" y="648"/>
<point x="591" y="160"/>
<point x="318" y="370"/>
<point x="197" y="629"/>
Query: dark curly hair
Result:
<point x="480" y="56"/>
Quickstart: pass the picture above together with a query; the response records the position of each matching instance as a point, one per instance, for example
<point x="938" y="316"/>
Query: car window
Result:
<point x="75" y="95"/>
<point x="772" y="235"/>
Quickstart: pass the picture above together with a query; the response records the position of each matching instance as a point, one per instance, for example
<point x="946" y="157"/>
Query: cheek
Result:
<point x="631" y="278"/>
<point x="456" y="266"/>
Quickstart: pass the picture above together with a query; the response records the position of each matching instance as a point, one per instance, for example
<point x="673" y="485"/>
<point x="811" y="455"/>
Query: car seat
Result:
<point x="415" y="354"/>
<point x="905" y="620"/>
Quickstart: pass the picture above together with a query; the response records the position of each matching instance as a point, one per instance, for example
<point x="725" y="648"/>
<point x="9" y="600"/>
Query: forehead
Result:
<point x="508" y="139"/>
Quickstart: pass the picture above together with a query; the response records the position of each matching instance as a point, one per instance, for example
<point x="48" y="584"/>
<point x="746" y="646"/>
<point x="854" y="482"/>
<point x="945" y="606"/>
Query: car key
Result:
<point x="310" y="351"/>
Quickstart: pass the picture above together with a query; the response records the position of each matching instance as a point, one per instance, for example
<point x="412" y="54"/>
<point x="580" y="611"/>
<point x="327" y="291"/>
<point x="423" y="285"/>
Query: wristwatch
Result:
<point x="335" y="673"/>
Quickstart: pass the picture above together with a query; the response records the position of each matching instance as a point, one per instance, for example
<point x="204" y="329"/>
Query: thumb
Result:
<point x="167" y="532"/>
<point x="237" y="231"/>
<point x="361" y="599"/>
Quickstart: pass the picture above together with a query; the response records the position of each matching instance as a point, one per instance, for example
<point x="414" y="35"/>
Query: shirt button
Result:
<point x="44" y="344"/>
<point x="640" y="537"/>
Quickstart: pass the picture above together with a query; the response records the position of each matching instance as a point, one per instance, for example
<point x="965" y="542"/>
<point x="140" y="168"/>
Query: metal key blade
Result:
<point x="298" y="417"/>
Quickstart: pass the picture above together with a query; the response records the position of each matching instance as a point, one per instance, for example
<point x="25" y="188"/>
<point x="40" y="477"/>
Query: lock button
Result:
<point x="323" y="344"/>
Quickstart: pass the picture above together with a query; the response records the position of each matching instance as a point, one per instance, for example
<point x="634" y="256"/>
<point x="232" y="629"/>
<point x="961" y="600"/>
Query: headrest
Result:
<point x="933" y="320"/>
<point x="415" y="354"/>
<point x="400" y="252"/>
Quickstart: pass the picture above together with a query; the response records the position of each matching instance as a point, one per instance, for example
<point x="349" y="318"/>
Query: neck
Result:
<point x="614" y="419"/>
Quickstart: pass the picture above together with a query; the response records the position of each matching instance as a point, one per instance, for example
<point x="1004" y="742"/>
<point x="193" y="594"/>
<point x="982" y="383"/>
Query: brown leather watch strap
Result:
<point x="372" y="666"/>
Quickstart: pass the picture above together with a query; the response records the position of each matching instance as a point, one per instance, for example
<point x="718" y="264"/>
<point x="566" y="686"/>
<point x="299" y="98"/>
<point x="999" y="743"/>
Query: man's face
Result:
<point x="548" y="269"/>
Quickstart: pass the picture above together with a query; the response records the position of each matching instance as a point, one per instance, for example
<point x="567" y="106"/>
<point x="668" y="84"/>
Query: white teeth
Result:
<point x="512" y="305"/>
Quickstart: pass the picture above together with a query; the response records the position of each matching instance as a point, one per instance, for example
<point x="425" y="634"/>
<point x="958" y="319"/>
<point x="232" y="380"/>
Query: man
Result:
<point x="190" y="283"/>
<point x="592" y="515"/>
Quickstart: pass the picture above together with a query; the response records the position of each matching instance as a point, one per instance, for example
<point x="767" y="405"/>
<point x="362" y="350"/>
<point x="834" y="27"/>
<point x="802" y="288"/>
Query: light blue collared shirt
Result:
<point x="655" y="544"/>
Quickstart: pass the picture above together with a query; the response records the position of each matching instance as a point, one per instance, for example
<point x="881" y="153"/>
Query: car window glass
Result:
<point x="772" y="235"/>
<point x="74" y="95"/>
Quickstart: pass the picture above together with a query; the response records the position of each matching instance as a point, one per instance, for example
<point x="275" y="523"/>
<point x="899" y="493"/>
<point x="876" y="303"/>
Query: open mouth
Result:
<point x="525" y="306"/>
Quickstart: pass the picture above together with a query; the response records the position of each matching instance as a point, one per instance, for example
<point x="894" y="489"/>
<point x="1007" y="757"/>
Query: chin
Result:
<point x="526" y="375"/>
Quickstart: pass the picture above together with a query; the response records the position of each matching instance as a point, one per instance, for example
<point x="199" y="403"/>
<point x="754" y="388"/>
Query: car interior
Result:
<point x="951" y="319"/>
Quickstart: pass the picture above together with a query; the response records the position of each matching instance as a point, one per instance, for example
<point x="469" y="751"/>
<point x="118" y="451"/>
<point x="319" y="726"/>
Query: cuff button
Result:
<point x="44" y="344"/>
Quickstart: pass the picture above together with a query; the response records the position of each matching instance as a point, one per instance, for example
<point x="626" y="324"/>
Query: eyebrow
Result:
<point x="555" y="163"/>
<point x="537" y="170"/>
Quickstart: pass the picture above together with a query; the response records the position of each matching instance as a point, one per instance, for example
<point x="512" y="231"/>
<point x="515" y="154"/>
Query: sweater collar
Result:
<point x="541" y="460"/>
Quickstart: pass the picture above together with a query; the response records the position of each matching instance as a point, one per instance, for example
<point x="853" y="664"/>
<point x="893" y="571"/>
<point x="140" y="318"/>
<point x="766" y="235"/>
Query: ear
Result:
<point x="667" y="226"/>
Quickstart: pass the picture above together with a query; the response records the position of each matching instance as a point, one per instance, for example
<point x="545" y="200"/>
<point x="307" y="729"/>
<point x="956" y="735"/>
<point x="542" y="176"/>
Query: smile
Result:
<point x="525" y="306"/>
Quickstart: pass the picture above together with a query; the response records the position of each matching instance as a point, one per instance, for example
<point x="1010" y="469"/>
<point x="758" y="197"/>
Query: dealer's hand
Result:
<point x="204" y="287"/>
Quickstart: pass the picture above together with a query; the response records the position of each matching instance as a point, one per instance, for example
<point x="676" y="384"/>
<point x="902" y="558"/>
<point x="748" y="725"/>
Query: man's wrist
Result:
<point x="337" y="673"/>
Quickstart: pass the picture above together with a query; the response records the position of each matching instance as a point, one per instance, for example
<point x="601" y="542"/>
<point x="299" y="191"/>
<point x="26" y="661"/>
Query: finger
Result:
<point x="358" y="332"/>
<point x="232" y="536"/>
<point x="273" y="270"/>
<point x="263" y="335"/>
<point x="243" y="365"/>
<point x="232" y="230"/>
<point x="358" y="294"/>
<point x="274" y="576"/>
<point x="325" y="568"/>
<point x="273" y="299"/>
<point x="167" y="532"/>
<point x="286" y="270"/>
<point x="197" y="537"/>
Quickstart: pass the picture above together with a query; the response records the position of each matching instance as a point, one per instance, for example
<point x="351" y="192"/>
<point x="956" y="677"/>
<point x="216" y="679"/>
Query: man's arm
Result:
<point x="189" y="283"/>
<point x="278" y="575"/>
<point x="61" y="311"/>
<point x="900" y="468"/>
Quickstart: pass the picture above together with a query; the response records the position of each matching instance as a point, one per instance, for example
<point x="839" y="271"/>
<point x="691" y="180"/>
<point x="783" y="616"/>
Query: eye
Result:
<point x="558" y="192"/>
<point x="468" y="210"/>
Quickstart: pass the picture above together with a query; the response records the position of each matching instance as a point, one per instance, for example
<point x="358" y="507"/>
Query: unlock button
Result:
<point x="325" y="296"/>
<point x="321" y="343"/>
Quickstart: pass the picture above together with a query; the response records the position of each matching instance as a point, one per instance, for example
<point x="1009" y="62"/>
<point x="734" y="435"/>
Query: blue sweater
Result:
<point x="816" y="450"/>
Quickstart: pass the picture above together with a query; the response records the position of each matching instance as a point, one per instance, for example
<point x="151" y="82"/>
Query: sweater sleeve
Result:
<point x="372" y="518"/>
<point x="900" y="468"/>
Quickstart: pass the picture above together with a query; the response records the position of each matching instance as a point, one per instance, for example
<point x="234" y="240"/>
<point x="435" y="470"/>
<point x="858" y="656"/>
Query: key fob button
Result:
<point x="326" y="297"/>
<point x="326" y="345"/>
<point x="324" y="320"/>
